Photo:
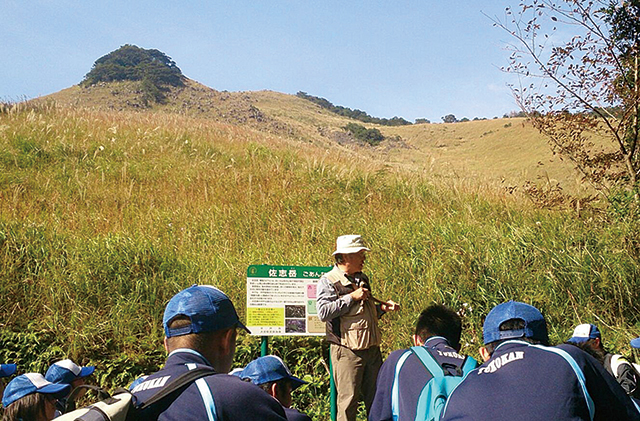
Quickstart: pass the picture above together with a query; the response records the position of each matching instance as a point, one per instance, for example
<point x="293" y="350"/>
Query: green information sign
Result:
<point x="281" y="300"/>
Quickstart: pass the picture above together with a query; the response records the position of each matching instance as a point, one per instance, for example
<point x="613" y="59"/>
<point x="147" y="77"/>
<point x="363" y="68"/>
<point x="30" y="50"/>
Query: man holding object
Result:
<point x="351" y="314"/>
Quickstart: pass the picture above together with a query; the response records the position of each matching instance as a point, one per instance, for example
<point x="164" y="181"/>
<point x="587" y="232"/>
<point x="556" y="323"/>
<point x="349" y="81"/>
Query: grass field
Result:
<point x="104" y="215"/>
<point x="505" y="153"/>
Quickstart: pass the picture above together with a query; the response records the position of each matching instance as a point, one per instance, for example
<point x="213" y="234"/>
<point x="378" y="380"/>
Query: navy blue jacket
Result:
<point x="234" y="399"/>
<point x="295" y="415"/>
<point x="528" y="382"/>
<point x="412" y="378"/>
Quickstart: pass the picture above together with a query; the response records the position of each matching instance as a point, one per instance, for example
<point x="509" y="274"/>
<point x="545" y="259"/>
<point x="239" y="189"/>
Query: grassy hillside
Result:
<point x="508" y="150"/>
<point x="502" y="152"/>
<point x="104" y="215"/>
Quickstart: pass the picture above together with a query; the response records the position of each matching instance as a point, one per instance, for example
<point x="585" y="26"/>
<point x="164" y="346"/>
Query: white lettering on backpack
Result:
<point x="450" y="354"/>
<point x="151" y="384"/>
<point x="501" y="362"/>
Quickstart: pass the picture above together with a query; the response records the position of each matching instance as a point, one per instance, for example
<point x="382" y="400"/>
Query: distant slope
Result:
<point x="510" y="151"/>
<point x="503" y="152"/>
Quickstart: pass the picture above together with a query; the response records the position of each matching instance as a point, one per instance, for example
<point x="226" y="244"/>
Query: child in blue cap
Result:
<point x="587" y="337"/>
<point x="68" y="372"/>
<point x="200" y="325"/>
<point x="272" y="375"/>
<point x="31" y="397"/>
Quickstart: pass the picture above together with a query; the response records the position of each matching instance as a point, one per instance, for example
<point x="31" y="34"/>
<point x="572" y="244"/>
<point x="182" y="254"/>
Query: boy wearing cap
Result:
<point x="67" y="372"/>
<point x="200" y="325"/>
<point x="31" y="397"/>
<point x="588" y="338"/>
<point x="525" y="379"/>
<point x="404" y="375"/>
<point x="272" y="375"/>
<point x="345" y="303"/>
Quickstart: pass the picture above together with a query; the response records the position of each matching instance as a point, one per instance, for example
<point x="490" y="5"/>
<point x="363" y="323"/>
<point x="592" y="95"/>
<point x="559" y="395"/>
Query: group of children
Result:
<point x="32" y="396"/>
<point x="521" y="374"/>
<point x="35" y="397"/>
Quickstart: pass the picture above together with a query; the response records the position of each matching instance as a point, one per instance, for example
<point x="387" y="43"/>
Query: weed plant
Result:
<point x="105" y="216"/>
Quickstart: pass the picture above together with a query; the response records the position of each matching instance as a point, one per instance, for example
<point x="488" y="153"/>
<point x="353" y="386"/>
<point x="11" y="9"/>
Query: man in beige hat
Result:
<point x="351" y="313"/>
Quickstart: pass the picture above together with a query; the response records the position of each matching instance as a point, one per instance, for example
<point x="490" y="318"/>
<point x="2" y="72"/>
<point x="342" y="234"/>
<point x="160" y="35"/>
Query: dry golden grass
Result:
<point x="502" y="153"/>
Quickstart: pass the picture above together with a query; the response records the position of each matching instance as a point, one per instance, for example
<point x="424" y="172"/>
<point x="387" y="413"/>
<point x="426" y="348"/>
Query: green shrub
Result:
<point x="372" y="137"/>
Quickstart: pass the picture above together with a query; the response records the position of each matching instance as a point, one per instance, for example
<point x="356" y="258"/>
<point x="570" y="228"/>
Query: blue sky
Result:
<point x="413" y="59"/>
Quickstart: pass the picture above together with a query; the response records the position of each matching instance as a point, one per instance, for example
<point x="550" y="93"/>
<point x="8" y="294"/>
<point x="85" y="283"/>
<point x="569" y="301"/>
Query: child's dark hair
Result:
<point x="30" y="407"/>
<point x="439" y="320"/>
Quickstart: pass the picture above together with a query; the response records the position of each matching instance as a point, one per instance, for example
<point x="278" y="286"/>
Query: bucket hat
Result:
<point x="347" y="244"/>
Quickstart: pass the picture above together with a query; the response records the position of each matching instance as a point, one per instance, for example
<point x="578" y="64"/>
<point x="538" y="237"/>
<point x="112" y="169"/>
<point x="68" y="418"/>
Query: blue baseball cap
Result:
<point x="208" y="308"/>
<point x="29" y="383"/>
<point x="584" y="332"/>
<point x="66" y="371"/>
<point x="268" y="369"/>
<point x="635" y="343"/>
<point x="7" y="370"/>
<point x="535" y="327"/>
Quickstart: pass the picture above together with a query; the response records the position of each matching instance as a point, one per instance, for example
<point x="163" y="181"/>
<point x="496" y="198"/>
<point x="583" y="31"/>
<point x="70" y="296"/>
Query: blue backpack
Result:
<point x="434" y="394"/>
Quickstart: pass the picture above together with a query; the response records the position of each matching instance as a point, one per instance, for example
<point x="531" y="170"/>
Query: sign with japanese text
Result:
<point x="281" y="300"/>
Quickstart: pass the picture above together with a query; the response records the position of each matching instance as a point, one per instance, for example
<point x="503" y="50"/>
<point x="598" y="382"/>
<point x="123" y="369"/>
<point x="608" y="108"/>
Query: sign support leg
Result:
<point x="332" y="392"/>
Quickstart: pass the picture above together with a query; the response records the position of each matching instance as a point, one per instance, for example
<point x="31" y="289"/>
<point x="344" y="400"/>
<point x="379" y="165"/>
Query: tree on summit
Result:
<point x="153" y="68"/>
<point x="449" y="118"/>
